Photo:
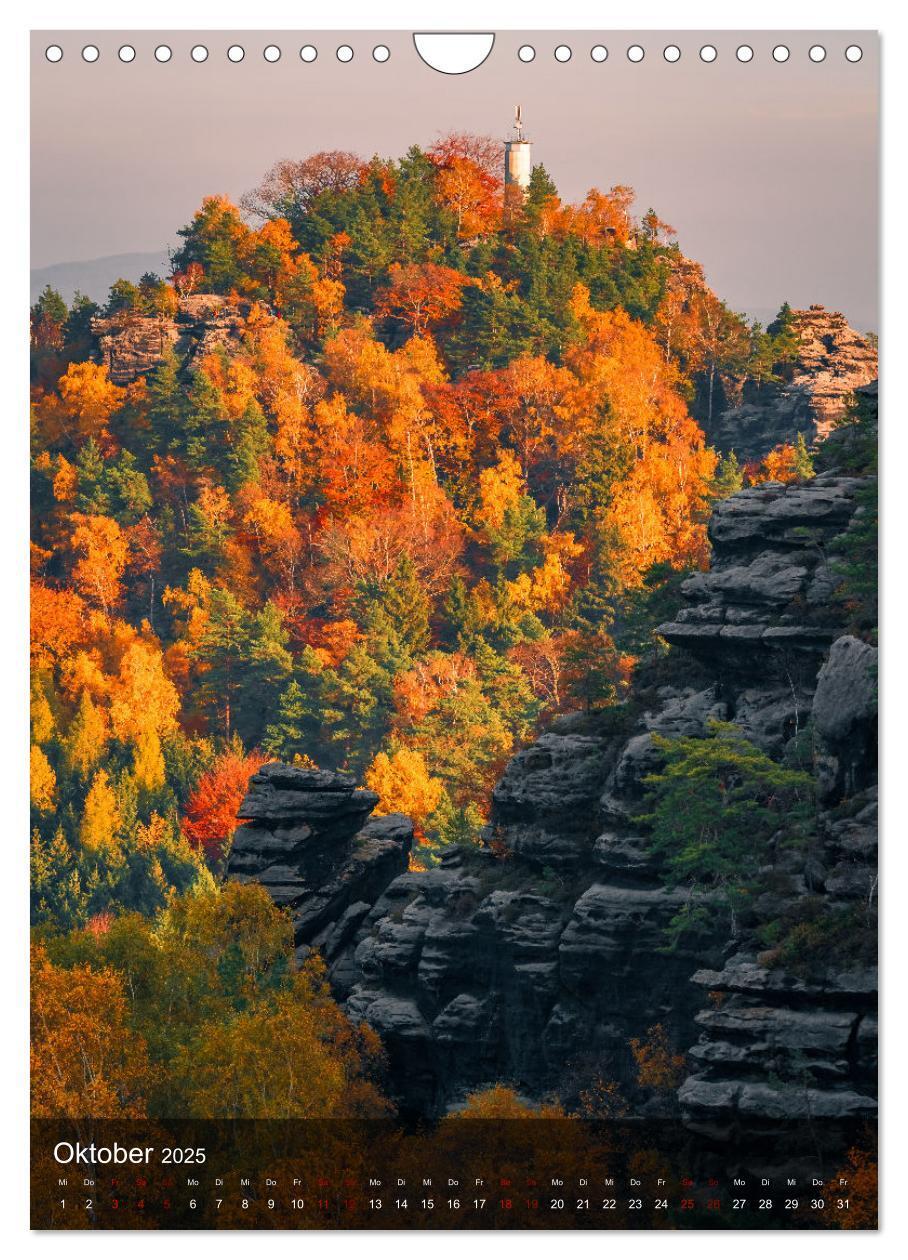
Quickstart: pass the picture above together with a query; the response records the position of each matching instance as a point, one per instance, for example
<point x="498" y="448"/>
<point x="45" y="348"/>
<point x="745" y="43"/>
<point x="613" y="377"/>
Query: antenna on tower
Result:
<point x="518" y="164"/>
<point x="518" y="122"/>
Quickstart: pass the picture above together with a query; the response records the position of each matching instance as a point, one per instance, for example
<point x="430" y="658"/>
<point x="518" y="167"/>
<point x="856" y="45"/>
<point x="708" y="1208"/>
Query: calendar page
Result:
<point x="454" y="630"/>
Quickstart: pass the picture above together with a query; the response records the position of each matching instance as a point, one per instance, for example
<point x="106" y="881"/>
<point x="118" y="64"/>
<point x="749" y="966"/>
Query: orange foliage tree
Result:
<point x="101" y="551"/>
<point x="421" y="296"/>
<point x="85" y="1059"/>
<point x="210" y="818"/>
<point x="468" y="182"/>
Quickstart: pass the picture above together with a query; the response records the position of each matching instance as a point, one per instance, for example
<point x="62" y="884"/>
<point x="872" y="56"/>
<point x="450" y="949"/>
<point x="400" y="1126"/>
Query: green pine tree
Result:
<point x="728" y="478"/>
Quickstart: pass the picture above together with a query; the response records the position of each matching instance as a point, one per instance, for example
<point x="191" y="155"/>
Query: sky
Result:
<point x="768" y="171"/>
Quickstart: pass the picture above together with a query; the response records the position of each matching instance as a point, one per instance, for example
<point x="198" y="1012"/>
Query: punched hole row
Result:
<point x="199" y="53"/>
<point x="525" y="53"/>
<point x="672" y="53"/>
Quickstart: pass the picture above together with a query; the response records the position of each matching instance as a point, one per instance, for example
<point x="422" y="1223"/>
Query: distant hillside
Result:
<point x="94" y="276"/>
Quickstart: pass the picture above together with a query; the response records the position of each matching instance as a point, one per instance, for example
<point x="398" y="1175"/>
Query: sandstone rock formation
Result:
<point x="537" y="959"/>
<point x="833" y="360"/>
<point x="133" y="345"/>
<point x="306" y="839"/>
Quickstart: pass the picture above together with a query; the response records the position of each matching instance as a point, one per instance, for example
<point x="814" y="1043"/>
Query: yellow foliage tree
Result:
<point x="43" y="781"/>
<point x="404" y="785"/>
<point x="142" y="697"/>
<point x="501" y="1102"/>
<point x="100" y="815"/>
<point x="294" y="1056"/>
<point x="43" y="722"/>
<point x="500" y="489"/>
<point x="66" y="480"/>
<point x="86" y="399"/>
<point x="148" y="762"/>
<point x="86" y="739"/>
<point x="657" y="1066"/>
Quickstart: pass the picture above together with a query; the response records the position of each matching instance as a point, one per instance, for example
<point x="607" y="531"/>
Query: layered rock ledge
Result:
<point x="305" y="837"/>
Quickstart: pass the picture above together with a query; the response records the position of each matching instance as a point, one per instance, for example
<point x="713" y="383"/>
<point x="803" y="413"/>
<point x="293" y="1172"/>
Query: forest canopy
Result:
<point x="420" y="496"/>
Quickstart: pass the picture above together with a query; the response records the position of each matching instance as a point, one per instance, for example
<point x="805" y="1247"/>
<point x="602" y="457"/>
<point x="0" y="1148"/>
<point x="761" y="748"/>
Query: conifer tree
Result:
<point x="729" y="477"/>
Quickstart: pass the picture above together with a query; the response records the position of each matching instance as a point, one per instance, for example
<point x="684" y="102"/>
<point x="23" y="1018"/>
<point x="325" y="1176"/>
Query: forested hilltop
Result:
<point x="418" y="490"/>
<point x="390" y="470"/>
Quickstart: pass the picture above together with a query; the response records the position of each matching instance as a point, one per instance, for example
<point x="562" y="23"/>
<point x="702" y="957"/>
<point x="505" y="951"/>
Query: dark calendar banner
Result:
<point x="465" y="1174"/>
<point x="454" y="629"/>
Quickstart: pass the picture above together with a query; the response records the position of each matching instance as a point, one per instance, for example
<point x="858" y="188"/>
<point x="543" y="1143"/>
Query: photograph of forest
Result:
<point x="453" y="660"/>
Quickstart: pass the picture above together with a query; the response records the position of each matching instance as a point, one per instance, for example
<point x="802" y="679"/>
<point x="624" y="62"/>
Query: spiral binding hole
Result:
<point x="745" y="53"/>
<point x="126" y="53"/>
<point x="90" y="53"/>
<point x="599" y="52"/>
<point x="526" y="52"/>
<point x="308" y="53"/>
<point x="381" y="52"/>
<point x="708" y="53"/>
<point x="853" y="53"/>
<point x="162" y="53"/>
<point x="271" y="53"/>
<point x="345" y="53"/>
<point x="635" y="53"/>
<point x="53" y="53"/>
<point x="672" y="53"/>
<point x="780" y="53"/>
<point x="562" y="53"/>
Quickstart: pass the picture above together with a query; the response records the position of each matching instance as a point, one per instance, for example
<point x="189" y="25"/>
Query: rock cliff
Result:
<point x="833" y="360"/>
<point x="133" y="345"/>
<point x="306" y="838"/>
<point x="536" y="959"/>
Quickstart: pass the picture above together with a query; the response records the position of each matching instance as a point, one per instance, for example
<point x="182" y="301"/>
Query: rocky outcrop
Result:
<point x="844" y="718"/>
<point x="132" y="345"/>
<point x="537" y="959"/>
<point x="763" y="616"/>
<point x="833" y="360"/>
<point x="306" y="839"/>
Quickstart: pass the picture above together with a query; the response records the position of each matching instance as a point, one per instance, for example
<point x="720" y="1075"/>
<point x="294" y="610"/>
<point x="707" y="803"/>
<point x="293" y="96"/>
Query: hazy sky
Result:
<point x="768" y="171"/>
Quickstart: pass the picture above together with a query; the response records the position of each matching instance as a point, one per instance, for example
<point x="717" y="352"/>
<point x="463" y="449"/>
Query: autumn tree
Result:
<point x="211" y="812"/>
<point x="85" y="1059"/>
<point x="101" y="554"/>
<point x="502" y="1102"/>
<point x="82" y="407"/>
<point x="100" y="815"/>
<point x="292" y="1057"/>
<point x="404" y="785"/>
<point x="658" y="1066"/>
<point x="468" y="182"/>
<point x="292" y="186"/>
<point x="420" y="296"/>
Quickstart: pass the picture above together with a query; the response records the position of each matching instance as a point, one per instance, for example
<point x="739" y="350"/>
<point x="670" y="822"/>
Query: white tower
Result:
<point x="518" y="157"/>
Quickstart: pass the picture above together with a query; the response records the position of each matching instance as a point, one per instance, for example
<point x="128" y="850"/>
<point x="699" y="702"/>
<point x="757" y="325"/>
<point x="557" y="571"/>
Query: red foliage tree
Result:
<point x="211" y="812"/>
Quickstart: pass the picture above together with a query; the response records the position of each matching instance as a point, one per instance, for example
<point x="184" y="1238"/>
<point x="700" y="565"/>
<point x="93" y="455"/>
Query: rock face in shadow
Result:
<point x="833" y="360"/>
<point x="536" y="959"/>
<point x="306" y="838"/>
